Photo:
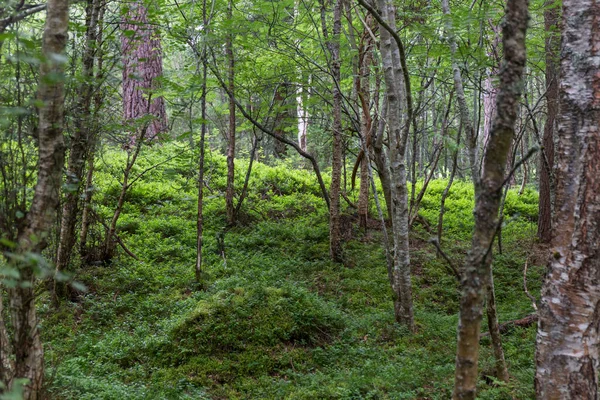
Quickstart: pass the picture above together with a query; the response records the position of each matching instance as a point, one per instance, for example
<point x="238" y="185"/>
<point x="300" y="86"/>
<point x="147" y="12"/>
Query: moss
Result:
<point x="236" y="319"/>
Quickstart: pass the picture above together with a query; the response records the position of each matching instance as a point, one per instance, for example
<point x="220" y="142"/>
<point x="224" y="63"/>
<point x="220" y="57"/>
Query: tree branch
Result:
<point x="254" y="122"/>
<point x="450" y="265"/>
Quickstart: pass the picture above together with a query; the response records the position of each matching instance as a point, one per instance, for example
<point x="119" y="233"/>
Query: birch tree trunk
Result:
<point x="398" y="135"/>
<point x="302" y="119"/>
<point x="26" y="343"/>
<point x="567" y="341"/>
<point x="98" y="101"/>
<point x="476" y="276"/>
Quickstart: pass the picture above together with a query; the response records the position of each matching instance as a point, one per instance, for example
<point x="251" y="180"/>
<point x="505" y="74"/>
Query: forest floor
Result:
<point x="276" y="319"/>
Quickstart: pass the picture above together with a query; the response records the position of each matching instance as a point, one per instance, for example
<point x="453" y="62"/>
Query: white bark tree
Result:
<point x="567" y="341"/>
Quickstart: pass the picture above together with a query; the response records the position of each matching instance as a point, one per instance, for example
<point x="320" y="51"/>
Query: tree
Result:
<point x="23" y="356"/>
<point x="477" y="271"/>
<point x="333" y="43"/>
<point x="398" y="97"/>
<point x="142" y="65"/>
<point x="567" y="342"/>
<point x="552" y="45"/>
<point x="81" y="140"/>
<point x="229" y="191"/>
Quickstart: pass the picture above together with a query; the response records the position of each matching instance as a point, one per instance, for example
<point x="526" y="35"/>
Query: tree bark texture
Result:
<point x="476" y="276"/>
<point x="281" y="119"/>
<point x="398" y="135"/>
<point x="142" y="65"/>
<point x="26" y="343"/>
<point x="80" y="144"/>
<point x="551" y="19"/>
<point x="567" y="341"/>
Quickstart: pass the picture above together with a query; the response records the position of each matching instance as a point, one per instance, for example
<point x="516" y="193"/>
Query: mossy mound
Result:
<point x="240" y="318"/>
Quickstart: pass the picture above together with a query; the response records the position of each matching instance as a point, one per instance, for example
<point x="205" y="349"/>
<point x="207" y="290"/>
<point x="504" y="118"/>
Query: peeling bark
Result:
<point x="567" y="342"/>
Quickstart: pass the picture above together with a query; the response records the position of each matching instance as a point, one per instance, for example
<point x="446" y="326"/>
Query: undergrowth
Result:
<point x="277" y="319"/>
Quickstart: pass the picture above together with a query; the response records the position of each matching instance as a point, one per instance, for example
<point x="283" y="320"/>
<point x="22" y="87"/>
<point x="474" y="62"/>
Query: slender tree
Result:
<point x="333" y="44"/>
<point x="552" y="45"/>
<point x="397" y="102"/>
<point x="476" y="275"/>
<point x="465" y="115"/>
<point x="23" y="356"/>
<point x="229" y="191"/>
<point x="80" y="141"/>
<point x="201" y="145"/>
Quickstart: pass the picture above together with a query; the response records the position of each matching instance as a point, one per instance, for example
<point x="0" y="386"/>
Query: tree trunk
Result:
<point x="494" y="328"/>
<point x="142" y="64"/>
<point x="201" y="145"/>
<point x="476" y="276"/>
<point x="396" y="99"/>
<point x="446" y="191"/>
<point x="80" y="147"/>
<point x="302" y="119"/>
<point x="363" y="91"/>
<point x="98" y="100"/>
<point x="465" y="117"/>
<point x="567" y="341"/>
<point x="551" y="20"/>
<point x="380" y="159"/>
<point x="280" y="120"/>
<point x="32" y="238"/>
<point x="229" y="191"/>
<point x="333" y="43"/>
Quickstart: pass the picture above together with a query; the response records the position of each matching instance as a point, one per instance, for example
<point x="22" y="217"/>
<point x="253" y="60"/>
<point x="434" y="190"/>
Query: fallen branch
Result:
<point x="517" y="323"/>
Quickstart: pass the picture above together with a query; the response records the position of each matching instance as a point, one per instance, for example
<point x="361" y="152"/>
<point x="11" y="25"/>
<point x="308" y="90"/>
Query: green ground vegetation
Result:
<point x="277" y="319"/>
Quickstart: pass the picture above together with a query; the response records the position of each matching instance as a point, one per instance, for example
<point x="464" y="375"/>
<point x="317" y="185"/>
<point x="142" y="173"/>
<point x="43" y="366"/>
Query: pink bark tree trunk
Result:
<point x="142" y="65"/>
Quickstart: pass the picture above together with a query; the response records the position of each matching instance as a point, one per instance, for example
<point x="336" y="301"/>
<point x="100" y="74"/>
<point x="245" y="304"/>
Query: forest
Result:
<point x="299" y="199"/>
